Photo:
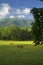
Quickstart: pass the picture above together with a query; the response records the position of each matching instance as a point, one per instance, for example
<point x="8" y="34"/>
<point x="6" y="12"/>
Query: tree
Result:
<point x="37" y="28"/>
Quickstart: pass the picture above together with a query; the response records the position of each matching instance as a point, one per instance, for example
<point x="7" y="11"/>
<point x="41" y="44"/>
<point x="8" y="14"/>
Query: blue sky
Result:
<point x="18" y="8"/>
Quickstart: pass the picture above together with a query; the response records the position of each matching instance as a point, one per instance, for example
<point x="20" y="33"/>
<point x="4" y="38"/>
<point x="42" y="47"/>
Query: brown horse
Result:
<point x="19" y="46"/>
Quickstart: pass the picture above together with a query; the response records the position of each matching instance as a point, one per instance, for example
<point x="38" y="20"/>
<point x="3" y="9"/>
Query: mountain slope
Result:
<point x="15" y="21"/>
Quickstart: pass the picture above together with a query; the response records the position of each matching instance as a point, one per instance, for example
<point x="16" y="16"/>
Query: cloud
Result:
<point x="4" y="10"/>
<point x="25" y="11"/>
<point x="7" y="11"/>
<point x="20" y="13"/>
<point x="12" y="16"/>
<point x="21" y="16"/>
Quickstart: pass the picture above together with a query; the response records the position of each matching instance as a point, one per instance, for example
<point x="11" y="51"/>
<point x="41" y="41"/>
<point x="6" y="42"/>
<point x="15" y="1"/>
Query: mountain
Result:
<point x="15" y="21"/>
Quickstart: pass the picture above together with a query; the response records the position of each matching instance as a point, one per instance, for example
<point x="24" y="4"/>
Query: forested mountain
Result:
<point x="15" y="21"/>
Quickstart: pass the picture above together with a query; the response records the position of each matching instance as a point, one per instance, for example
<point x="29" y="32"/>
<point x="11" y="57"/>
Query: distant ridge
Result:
<point x="15" y="21"/>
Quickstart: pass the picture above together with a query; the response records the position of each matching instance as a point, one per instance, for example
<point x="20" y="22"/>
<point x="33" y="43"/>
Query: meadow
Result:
<point x="10" y="54"/>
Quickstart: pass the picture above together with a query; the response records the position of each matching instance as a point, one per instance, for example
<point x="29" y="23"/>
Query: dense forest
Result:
<point x="15" y="33"/>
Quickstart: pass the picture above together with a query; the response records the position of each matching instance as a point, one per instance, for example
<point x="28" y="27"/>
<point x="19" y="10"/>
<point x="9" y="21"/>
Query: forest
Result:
<point x="15" y="33"/>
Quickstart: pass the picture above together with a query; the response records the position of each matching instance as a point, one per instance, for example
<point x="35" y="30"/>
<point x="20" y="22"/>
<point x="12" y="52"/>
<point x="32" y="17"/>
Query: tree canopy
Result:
<point x="37" y="28"/>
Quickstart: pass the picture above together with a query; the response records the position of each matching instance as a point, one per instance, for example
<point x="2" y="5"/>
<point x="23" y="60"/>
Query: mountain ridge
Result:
<point x="15" y="21"/>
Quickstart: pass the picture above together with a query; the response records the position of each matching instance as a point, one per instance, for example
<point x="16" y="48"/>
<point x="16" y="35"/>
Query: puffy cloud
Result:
<point x="7" y="11"/>
<point x="25" y="11"/>
<point x="12" y="16"/>
<point x="20" y="13"/>
<point x="4" y="10"/>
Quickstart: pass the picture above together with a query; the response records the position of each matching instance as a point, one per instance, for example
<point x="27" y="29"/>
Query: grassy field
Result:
<point x="10" y="54"/>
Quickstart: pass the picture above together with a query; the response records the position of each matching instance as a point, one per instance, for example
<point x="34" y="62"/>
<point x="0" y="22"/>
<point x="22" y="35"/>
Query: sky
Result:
<point x="18" y="8"/>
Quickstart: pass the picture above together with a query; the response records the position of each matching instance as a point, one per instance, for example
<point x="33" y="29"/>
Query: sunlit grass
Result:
<point x="10" y="54"/>
<point x="15" y="42"/>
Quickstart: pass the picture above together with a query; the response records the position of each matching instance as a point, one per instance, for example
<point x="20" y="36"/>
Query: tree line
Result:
<point x="15" y="33"/>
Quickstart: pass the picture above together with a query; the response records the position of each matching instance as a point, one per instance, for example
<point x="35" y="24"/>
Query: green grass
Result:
<point x="28" y="55"/>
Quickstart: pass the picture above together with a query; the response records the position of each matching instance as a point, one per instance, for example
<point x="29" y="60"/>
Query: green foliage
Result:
<point x="15" y="29"/>
<point x="15" y="33"/>
<point x="37" y="28"/>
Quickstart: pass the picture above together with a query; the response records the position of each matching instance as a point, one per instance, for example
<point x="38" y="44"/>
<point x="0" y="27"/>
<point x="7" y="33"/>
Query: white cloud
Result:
<point x="12" y="16"/>
<point x="25" y="11"/>
<point x="7" y="11"/>
<point x="20" y="13"/>
<point x="4" y="10"/>
<point x="21" y="16"/>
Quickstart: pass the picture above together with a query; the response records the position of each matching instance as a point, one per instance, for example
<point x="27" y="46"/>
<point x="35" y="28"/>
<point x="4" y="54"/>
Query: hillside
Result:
<point x="15" y="21"/>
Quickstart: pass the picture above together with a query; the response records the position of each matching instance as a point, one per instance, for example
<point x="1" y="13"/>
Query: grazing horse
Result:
<point x="19" y="46"/>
